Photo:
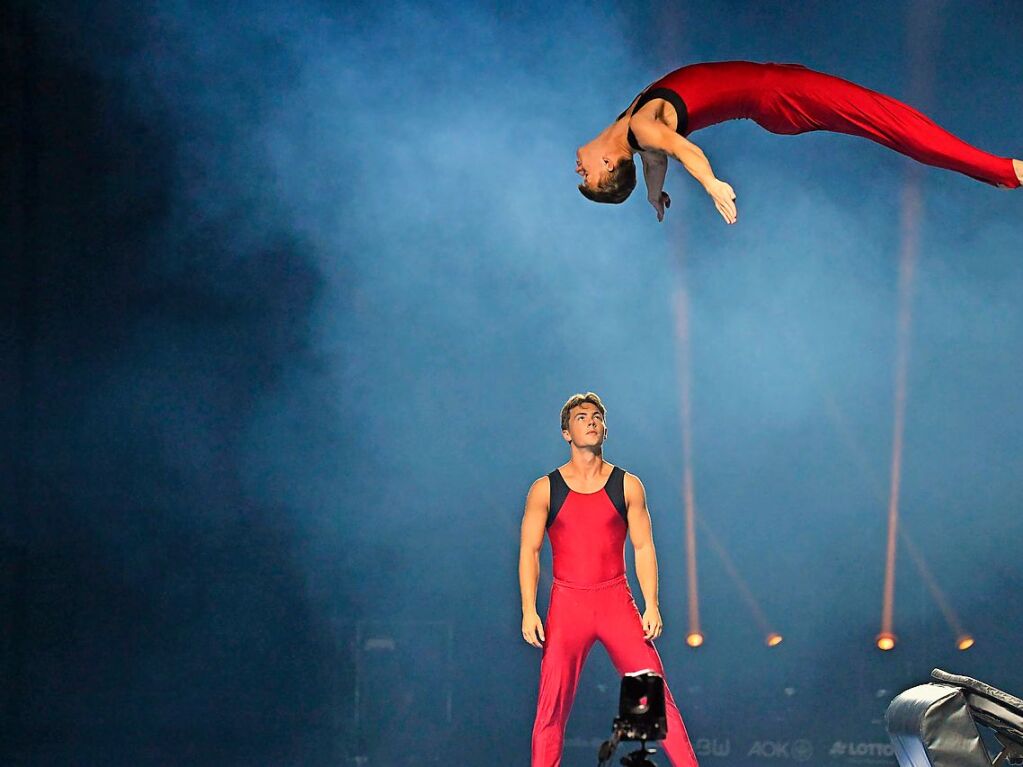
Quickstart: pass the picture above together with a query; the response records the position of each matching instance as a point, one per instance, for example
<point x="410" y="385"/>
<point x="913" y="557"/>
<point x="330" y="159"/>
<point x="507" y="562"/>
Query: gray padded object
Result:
<point x="931" y="726"/>
<point x="992" y="707"/>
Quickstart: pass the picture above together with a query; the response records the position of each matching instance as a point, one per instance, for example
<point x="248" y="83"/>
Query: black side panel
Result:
<point x="672" y="98"/>
<point x="615" y="488"/>
<point x="559" y="492"/>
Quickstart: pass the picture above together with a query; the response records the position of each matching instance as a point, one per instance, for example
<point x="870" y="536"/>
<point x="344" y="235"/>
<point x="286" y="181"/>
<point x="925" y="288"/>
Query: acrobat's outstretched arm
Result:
<point x="657" y="136"/>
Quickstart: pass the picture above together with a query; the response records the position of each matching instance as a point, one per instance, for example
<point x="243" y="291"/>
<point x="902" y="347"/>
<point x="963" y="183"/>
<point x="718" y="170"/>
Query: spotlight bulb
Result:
<point x="773" y="639"/>
<point x="885" y="641"/>
<point x="965" y="642"/>
<point x="695" y="639"/>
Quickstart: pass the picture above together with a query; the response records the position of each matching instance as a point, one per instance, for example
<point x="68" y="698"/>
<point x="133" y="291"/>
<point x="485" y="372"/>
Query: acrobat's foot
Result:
<point x="1017" y="165"/>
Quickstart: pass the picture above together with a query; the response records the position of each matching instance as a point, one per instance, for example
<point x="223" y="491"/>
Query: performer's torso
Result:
<point x="725" y="90"/>
<point x="588" y="531"/>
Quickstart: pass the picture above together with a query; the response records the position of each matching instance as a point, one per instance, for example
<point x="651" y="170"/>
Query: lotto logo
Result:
<point x="870" y="750"/>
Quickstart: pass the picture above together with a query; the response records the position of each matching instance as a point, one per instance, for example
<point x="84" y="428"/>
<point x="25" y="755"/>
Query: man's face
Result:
<point x="586" y="427"/>
<point x="591" y="167"/>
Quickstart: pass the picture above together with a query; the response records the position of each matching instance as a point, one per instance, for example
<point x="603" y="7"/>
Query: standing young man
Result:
<point x="586" y="507"/>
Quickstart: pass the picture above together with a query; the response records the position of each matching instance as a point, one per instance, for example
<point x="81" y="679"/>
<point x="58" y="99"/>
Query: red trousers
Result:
<point x="577" y="617"/>
<point x="789" y="98"/>
<point x="822" y="102"/>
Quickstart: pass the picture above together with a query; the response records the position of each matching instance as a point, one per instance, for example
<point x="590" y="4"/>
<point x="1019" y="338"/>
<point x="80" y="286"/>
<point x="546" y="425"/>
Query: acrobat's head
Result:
<point x="582" y="421"/>
<point x="606" y="178"/>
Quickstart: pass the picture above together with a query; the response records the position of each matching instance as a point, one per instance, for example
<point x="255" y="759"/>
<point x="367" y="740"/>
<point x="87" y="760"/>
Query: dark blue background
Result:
<point x="292" y="294"/>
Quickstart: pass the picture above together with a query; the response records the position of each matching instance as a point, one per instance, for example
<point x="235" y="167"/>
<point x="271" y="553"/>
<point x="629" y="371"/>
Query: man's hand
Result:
<point x="532" y="629"/>
<point x="652" y="625"/>
<point x="724" y="199"/>
<point x="660" y="203"/>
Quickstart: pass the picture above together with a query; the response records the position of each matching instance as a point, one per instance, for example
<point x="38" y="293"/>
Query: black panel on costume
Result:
<point x="615" y="488"/>
<point x="672" y="98"/>
<point x="559" y="492"/>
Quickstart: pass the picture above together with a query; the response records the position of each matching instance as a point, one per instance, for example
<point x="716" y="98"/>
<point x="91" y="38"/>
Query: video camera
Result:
<point x="641" y="717"/>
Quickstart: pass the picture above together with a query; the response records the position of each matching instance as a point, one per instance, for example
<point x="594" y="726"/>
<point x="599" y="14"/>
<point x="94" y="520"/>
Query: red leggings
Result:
<point x="576" y="618"/>
<point x="822" y="102"/>
<point x="789" y="98"/>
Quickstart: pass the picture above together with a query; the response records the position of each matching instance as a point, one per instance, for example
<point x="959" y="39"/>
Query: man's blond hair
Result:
<point x="575" y="401"/>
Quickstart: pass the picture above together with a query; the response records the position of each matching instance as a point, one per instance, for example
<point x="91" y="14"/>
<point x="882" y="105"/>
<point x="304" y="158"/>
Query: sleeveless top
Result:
<point x="587" y="530"/>
<point x="710" y="93"/>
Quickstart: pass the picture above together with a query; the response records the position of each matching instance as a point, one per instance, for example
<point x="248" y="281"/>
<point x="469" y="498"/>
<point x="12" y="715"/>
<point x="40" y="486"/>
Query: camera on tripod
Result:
<point x="641" y="717"/>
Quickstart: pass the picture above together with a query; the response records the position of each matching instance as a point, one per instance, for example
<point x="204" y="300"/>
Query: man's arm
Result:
<point x="655" y="135"/>
<point x="655" y="166"/>
<point x="642" y="537"/>
<point x="534" y="523"/>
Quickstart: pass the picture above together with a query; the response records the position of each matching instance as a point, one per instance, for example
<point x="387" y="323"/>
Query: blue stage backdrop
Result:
<point x="292" y="294"/>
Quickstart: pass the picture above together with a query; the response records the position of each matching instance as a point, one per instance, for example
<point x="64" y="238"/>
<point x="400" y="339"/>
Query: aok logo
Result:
<point x="874" y="750"/>
<point x="800" y="750"/>
<point x="713" y="747"/>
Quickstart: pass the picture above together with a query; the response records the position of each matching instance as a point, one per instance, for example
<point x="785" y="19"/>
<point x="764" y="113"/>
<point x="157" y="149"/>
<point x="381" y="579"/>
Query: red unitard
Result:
<point x="789" y="98"/>
<point x="590" y="601"/>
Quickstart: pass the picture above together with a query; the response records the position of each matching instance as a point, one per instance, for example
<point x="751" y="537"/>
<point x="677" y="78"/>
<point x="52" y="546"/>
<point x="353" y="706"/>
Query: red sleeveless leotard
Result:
<point x="590" y="601"/>
<point x="587" y="533"/>
<point x="789" y="99"/>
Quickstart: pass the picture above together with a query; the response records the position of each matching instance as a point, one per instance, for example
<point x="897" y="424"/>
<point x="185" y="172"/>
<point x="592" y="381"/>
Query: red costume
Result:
<point x="591" y="600"/>
<point x="789" y="98"/>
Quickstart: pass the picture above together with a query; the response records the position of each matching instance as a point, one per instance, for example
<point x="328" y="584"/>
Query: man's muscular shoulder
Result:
<point x="540" y="492"/>
<point x="634" y="490"/>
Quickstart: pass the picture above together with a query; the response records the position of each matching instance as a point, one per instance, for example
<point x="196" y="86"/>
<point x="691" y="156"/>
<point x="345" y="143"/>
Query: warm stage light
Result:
<point x="773" y="640"/>
<point x="885" y="641"/>
<point x="911" y="207"/>
<point x="695" y="638"/>
<point x="965" y="642"/>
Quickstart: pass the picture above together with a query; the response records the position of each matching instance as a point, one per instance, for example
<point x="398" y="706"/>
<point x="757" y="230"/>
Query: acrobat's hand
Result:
<point x="652" y="624"/>
<point x="724" y="200"/>
<point x="532" y="630"/>
<point x="660" y="204"/>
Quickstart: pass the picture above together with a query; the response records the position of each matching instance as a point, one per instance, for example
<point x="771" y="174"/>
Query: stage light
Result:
<point x="885" y="641"/>
<point x="911" y="207"/>
<point x="688" y="494"/>
<point x="965" y="642"/>
<point x="740" y="583"/>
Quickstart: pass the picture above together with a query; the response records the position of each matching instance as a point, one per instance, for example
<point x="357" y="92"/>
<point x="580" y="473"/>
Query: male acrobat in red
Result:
<point x="781" y="98"/>
<point x="586" y="507"/>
